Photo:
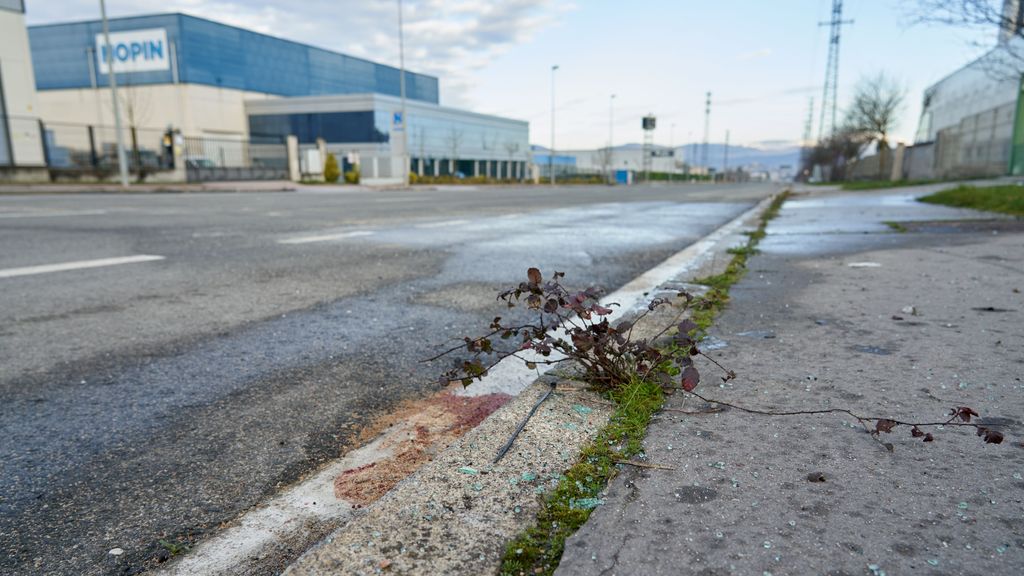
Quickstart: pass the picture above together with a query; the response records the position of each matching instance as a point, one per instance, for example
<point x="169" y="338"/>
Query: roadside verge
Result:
<point x="458" y="512"/>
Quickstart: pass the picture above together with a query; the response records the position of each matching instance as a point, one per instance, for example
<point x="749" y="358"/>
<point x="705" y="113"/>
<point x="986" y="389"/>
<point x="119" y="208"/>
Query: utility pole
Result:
<point x="806" y="145"/>
<point x="551" y="155"/>
<point x="401" y="84"/>
<point x="611" y="139"/>
<point x="725" y="158"/>
<point x="827" y="126"/>
<point x="122" y="160"/>
<point x="707" y="127"/>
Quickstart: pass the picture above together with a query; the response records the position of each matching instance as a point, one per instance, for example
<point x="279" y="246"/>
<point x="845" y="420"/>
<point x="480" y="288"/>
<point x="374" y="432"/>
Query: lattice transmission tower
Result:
<point x="827" y="126"/>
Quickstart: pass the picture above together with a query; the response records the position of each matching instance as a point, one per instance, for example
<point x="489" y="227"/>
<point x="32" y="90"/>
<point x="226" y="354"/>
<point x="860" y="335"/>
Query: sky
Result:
<point x="761" y="59"/>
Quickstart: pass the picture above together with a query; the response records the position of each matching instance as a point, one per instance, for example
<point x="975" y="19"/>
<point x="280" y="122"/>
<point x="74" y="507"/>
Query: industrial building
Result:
<point x="970" y="123"/>
<point x="231" y="97"/>
<point x="20" y="136"/>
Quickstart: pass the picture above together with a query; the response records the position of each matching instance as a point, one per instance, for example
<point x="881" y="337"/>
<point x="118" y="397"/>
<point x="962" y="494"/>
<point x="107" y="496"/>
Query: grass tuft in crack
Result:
<point x="707" y="308"/>
<point x="539" y="548"/>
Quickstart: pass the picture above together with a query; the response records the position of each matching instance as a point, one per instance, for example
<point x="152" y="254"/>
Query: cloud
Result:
<point x="450" y="39"/>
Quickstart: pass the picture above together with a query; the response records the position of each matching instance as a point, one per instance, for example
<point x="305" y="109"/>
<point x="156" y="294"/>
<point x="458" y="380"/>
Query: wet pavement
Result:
<point x="841" y="311"/>
<point x="154" y="401"/>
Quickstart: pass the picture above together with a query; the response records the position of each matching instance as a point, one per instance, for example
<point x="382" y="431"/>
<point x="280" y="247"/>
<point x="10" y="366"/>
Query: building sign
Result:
<point x="135" y="51"/>
<point x="397" y="120"/>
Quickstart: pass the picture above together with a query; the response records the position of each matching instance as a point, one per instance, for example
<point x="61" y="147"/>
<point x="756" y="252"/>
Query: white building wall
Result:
<point x="19" y="84"/>
<point x="986" y="83"/>
<point x="195" y="109"/>
<point x="623" y="159"/>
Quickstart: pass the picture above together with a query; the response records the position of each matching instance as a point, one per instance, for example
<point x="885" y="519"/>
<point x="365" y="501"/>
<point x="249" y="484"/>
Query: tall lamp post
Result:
<point x="551" y="154"/>
<point x="611" y="139"/>
<point x="672" y="151"/>
<point x="122" y="159"/>
<point x="401" y="84"/>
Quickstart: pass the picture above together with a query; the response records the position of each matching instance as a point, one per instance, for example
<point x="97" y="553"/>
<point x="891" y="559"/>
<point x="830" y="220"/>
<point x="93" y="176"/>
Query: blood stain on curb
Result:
<point x="416" y="433"/>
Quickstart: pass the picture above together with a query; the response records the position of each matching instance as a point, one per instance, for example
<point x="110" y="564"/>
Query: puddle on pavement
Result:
<point x="856" y="222"/>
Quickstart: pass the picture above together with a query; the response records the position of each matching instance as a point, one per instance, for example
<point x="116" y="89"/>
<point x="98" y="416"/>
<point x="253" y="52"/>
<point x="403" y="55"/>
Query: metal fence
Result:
<point x="235" y="158"/>
<point x="76" y="150"/>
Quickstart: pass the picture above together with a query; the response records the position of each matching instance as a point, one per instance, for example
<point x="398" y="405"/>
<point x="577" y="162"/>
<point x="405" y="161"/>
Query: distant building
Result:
<point x="20" y="138"/>
<point x="225" y="88"/>
<point x="970" y="124"/>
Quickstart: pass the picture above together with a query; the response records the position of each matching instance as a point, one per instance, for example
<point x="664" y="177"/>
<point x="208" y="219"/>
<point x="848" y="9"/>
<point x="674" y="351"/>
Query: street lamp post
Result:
<point x="672" y="150"/>
<point x="122" y="160"/>
<point x="551" y="154"/>
<point x="611" y="139"/>
<point x="401" y="84"/>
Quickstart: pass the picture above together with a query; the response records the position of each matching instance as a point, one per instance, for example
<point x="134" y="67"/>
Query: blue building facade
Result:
<point x="199" y="51"/>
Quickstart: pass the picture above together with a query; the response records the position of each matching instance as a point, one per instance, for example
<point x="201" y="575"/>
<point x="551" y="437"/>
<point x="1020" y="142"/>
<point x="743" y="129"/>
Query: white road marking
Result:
<point x="402" y="199"/>
<point x="325" y="237"/>
<point x="443" y="224"/>
<point x="65" y="266"/>
<point x="43" y="214"/>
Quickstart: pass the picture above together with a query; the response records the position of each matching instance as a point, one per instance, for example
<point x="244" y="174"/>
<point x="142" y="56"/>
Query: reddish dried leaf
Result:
<point x="916" y="432"/>
<point x="534" y="275"/>
<point x="884" y="425"/>
<point x="928" y="437"/>
<point x="690" y="378"/>
<point x="600" y="310"/>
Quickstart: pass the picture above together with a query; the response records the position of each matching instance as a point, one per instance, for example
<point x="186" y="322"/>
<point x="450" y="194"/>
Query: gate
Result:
<point x="224" y="158"/>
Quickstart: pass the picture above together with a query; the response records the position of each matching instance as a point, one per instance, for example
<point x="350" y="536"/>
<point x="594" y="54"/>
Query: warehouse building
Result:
<point x="232" y="96"/>
<point x="20" y="136"/>
<point x="971" y="120"/>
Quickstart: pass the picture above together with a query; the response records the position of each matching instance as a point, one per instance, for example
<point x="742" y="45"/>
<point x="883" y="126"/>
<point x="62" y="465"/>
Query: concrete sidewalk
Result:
<point x="840" y="311"/>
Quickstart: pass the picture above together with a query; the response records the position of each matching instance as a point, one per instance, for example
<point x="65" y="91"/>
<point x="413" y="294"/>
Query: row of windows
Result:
<point x="429" y="136"/>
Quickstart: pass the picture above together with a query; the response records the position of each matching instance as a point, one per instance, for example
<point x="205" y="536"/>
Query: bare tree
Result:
<point x="835" y="154"/>
<point x="604" y="158"/>
<point x="511" y="147"/>
<point x="874" y="110"/>
<point x="1006" y="60"/>
<point x="454" y="141"/>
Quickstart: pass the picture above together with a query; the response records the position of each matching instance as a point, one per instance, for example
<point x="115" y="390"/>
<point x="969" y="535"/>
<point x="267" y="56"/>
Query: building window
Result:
<point x="333" y="127"/>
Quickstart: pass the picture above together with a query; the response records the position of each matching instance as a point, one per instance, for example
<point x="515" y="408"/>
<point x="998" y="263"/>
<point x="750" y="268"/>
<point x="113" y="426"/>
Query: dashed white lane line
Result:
<point x="444" y="224"/>
<point x="325" y="237"/>
<point x="78" y="265"/>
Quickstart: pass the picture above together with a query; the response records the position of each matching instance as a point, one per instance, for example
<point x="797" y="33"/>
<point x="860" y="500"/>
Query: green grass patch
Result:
<point x="881" y="184"/>
<point x="539" y="548"/>
<point x="705" y="310"/>
<point x="1007" y="199"/>
<point x="896" y="226"/>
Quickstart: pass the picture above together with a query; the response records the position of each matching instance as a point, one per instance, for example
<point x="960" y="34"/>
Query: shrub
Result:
<point x="331" y="170"/>
<point x="352" y="176"/>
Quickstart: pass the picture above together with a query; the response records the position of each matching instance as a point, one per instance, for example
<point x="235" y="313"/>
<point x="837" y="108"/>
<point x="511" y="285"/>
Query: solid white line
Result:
<point x="63" y="267"/>
<point x="51" y="214"/>
<point x="325" y="237"/>
<point x="443" y="224"/>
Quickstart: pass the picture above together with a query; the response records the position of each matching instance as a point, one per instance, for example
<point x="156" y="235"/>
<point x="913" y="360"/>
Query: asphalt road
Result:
<point x="154" y="400"/>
